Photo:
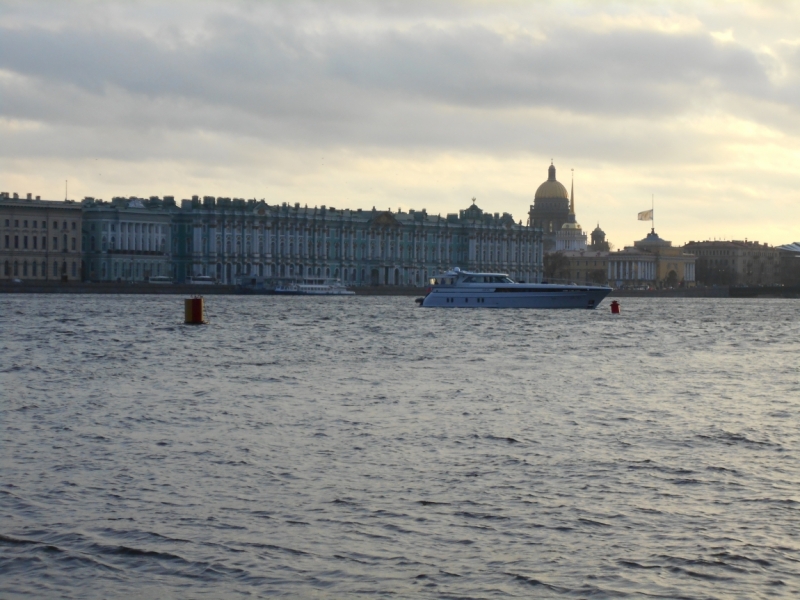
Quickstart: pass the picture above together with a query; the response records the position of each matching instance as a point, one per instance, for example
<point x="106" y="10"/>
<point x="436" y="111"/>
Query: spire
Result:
<point x="572" y="194"/>
<point x="551" y="172"/>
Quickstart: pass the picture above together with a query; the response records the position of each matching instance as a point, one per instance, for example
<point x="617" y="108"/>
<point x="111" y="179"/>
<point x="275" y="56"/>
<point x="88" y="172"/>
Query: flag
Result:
<point x="646" y="215"/>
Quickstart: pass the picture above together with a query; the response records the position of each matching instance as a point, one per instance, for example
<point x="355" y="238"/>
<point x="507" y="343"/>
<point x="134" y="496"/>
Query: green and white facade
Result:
<point x="228" y="239"/>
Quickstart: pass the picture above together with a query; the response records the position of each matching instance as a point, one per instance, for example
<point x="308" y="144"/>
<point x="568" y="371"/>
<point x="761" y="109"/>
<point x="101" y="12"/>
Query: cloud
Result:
<point x="658" y="90"/>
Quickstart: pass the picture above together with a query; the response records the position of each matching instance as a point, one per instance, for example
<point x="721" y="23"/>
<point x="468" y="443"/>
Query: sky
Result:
<point x="412" y="105"/>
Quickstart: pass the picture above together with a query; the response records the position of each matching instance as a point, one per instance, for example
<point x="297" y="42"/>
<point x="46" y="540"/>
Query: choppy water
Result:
<point x="329" y="448"/>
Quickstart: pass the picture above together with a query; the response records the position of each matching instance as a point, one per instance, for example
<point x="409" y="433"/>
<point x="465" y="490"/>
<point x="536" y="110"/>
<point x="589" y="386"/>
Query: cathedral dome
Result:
<point x="551" y="188"/>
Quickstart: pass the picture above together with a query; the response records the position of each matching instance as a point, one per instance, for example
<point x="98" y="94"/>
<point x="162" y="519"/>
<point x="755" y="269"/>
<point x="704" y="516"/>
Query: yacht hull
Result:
<point x="521" y="296"/>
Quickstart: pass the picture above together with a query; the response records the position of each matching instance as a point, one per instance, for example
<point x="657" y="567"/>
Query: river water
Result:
<point x="361" y="446"/>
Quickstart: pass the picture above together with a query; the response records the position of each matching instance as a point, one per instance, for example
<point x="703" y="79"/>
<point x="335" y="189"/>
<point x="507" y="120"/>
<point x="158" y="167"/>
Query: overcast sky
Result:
<point x="415" y="105"/>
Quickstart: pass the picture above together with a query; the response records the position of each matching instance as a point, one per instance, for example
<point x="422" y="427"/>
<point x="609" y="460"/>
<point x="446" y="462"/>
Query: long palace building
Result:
<point x="228" y="239"/>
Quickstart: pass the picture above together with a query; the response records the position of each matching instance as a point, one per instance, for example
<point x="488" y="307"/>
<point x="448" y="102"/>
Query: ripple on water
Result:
<point x="316" y="448"/>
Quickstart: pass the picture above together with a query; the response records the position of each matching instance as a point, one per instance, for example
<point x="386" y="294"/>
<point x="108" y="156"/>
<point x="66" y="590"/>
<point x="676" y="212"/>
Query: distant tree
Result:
<point x="671" y="280"/>
<point x="597" y="276"/>
<point x="790" y="269"/>
<point x="556" y="266"/>
<point x="709" y="274"/>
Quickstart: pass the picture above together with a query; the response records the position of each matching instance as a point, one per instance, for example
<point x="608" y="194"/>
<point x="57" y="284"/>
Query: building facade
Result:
<point x="127" y="239"/>
<point x="736" y="262"/>
<point x="651" y="262"/>
<point x="40" y="239"/>
<point x="587" y="267"/>
<point x="228" y="239"/>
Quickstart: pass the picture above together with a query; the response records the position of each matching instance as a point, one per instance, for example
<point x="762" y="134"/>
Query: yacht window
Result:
<point x="469" y="279"/>
<point x="506" y="280"/>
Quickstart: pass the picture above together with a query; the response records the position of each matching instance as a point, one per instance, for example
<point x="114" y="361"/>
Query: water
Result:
<point x="342" y="447"/>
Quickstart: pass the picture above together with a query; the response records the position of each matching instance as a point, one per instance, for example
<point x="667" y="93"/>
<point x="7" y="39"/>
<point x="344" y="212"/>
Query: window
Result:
<point x="55" y="224"/>
<point x="35" y="239"/>
<point x="33" y="267"/>
<point x="16" y="223"/>
<point x="73" y="229"/>
<point x="25" y="242"/>
<point x="55" y="245"/>
<point x="25" y="224"/>
<point x="16" y="241"/>
<point x="74" y="244"/>
<point x="7" y="225"/>
<point x="44" y="269"/>
<point x="25" y="269"/>
<point x="75" y="266"/>
<point x="44" y="244"/>
<point x="7" y="267"/>
<point x="34" y="226"/>
<point x="16" y="268"/>
<point x="8" y="244"/>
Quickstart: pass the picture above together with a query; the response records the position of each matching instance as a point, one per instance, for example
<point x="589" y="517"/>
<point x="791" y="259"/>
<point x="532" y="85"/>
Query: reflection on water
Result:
<point x="334" y="447"/>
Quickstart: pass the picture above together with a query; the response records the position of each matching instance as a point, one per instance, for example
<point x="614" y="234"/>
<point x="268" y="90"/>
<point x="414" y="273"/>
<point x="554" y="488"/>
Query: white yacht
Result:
<point x="314" y="287"/>
<point x="462" y="289"/>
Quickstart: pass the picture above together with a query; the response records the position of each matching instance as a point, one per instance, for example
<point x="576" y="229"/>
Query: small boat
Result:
<point x="314" y="287"/>
<point x="463" y="289"/>
<point x="200" y="280"/>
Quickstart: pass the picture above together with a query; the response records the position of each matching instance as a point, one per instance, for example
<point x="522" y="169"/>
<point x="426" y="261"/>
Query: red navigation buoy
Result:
<point x="614" y="307"/>
<point x="195" y="311"/>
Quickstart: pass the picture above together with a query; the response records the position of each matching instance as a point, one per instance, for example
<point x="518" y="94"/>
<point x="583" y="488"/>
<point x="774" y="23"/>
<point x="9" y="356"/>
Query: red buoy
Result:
<point x="614" y="307"/>
<point x="194" y="311"/>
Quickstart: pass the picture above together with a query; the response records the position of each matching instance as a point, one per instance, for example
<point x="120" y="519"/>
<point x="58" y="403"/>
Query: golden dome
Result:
<point x="551" y="188"/>
<point x="569" y="225"/>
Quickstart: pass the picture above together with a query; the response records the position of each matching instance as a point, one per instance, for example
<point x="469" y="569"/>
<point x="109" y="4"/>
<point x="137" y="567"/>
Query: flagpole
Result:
<point x="653" y="213"/>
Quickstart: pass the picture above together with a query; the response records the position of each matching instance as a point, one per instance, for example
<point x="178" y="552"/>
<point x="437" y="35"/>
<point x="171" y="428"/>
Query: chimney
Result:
<point x="30" y="196"/>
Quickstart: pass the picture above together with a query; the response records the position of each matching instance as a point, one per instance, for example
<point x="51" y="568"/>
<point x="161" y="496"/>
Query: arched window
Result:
<point x="7" y="269"/>
<point x="25" y="268"/>
<point x="16" y="268"/>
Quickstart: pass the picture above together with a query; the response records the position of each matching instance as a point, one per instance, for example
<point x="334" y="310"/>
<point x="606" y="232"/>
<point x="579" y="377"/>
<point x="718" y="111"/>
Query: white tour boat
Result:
<point x="314" y="287"/>
<point x="462" y="289"/>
